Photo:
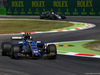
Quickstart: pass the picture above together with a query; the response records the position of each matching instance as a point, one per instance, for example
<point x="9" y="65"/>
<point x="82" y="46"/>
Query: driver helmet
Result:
<point x="52" y="12"/>
<point x="27" y="37"/>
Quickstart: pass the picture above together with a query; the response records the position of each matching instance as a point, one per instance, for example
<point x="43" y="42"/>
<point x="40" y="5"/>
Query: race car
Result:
<point x="51" y="15"/>
<point x="29" y="48"/>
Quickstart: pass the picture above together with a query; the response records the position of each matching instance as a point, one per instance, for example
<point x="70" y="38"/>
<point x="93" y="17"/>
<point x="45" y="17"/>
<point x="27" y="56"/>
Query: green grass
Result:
<point x="16" y="26"/>
<point x="76" y="25"/>
<point x="2" y="11"/>
<point x="77" y="48"/>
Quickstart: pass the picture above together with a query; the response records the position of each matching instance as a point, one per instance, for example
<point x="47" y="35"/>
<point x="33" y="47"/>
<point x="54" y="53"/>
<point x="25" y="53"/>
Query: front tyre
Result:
<point x="41" y="16"/>
<point x="52" y="51"/>
<point x="63" y="17"/>
<point x="14" y="52"/>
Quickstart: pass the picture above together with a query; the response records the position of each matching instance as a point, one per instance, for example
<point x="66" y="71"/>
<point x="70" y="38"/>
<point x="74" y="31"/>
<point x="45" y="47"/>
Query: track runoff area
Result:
<point x="74" y="48"/>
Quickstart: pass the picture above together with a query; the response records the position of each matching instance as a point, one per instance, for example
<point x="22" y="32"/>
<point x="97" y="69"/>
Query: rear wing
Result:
<point x="17" y="38"/>
<point x="20" y="38"/>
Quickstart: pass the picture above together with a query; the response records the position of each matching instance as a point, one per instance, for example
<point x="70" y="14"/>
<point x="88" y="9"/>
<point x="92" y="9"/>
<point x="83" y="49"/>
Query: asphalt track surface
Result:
<point x="63" y="65"/>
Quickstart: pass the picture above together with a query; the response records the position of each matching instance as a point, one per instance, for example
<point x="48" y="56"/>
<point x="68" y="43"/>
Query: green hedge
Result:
<point x="2" y="11"/>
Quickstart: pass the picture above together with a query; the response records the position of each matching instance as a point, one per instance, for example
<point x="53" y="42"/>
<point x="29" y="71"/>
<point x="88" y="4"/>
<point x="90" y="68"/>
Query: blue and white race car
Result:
<point x="28" y="47"/>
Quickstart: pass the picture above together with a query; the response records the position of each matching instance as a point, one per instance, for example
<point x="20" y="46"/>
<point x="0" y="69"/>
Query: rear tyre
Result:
<point x="51" y="49"/>
<point x="14" y="52"/>
<point x="6" y="48"/>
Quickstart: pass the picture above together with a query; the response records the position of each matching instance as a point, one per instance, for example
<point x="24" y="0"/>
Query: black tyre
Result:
<point x="6" y="48"/>
<point x="14" y="52"/>
<point x="51" y="49"/>
<point x="52" y="17"/>
<point x="41" y="16"/>
<point x="63" y="17"/>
